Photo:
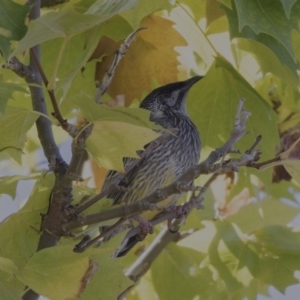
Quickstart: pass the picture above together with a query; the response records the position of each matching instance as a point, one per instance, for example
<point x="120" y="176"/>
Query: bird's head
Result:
<point x="168" y="99"/>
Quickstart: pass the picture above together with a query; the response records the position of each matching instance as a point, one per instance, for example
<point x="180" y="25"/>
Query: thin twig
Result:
<point x="119" y="54"/>
<point x="63" y="122"/>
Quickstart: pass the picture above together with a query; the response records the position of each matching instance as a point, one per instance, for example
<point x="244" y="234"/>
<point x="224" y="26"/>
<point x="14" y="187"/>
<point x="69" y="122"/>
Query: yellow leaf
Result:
<point x="152" y="55"/>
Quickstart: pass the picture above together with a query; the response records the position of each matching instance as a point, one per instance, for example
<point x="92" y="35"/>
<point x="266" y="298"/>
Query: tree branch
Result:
<point x="206" y="167"/>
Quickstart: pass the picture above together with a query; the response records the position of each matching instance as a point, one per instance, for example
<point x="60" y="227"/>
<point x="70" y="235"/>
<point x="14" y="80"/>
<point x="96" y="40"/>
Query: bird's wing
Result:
<point x="125" y="182"/>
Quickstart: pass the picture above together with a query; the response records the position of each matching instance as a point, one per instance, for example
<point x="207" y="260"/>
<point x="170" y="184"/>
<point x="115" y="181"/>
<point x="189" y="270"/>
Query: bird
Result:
<point x="167" y="161"/>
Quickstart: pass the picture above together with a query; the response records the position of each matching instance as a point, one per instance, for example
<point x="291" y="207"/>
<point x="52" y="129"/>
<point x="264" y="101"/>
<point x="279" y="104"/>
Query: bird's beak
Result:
<point x="190" y="82"/>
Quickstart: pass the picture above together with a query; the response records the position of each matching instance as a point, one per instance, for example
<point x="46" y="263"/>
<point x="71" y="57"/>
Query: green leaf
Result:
<point x="234" y="261"/>
<point x="268" y="61"/>
<point x="79" y="51"/>
<point x="213" y="11"/>
<point x="19" y="121"/>
<point x="8" y="293"/>
<point x="176" y="275"/>
<point x="267" y="17"/>
<point x="67" y="23"/>
<point x="82" y="273"/>
<point x="257" y="215"/>
<point x="19" y="234"/>
<point x="118" y="132"/>
<point x="287" y="5"/>
<point x="106" y="7"/>
<point x="12" y="24"/>
<point x="45" y="270"/>
<point x="142" y="9"/>
<point x="280" y="51"/>
<point x="279" y="250"/>
<point x="197" y="8"/>
<point x="220" y="91"/>
<point x="6" y="92"/>
<point x="8" y="184"/>
<point x="7" y="265"/>
<point x="227" y="3"/>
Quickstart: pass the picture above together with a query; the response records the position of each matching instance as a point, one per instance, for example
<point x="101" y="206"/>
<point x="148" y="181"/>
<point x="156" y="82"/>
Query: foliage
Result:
<point x="245" y="49"/>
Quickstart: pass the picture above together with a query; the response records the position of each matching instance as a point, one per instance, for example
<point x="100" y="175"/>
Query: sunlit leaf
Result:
<point x="268" y="61"/>
<point x="8" y="184"/>
<point x="19" y="121"/>
<point x="19" y="234"/>
<point x="6" y="92"/>
<point x="117" y="132"/>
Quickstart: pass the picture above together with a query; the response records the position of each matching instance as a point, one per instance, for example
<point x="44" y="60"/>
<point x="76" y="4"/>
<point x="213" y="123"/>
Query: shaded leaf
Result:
<point x="176" y="275"/>
<point x="280" y="51"/>
<point x="227" y="3"/>
<point x="12" y="24"/>
<point x="213" y="11"/>
<point x="257" y="215"/>
<point x="287" y="5"/>
<point x="279" y="250"/>
<point x="267" y="17"/>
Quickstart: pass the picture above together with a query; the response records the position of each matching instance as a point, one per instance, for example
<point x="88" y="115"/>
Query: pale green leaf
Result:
<point x="117" y="132"/>
<point x="6" y="92"/>
<point x="142" y="9"/>
<point x="8" y="293"/>
<point x="197" y="8"/>
<point x="287" y="5"/>
<point x="56" y="24"/>
<point x="267" y="17"/>
<point x="13" y="129"/>
<point x="110" y="141"/>
<point x="58" y="273"/>
<point x="106" y="7"/>
<point x="8" y="265"/>
<point x="12" y="24"/>
<point x="8" y="184"/>
<point x="19" y="234"/>
<point x="268" y="61"/>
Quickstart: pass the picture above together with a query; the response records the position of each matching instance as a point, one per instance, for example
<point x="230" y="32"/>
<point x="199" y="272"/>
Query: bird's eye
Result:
<point x="166" y="95"/>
